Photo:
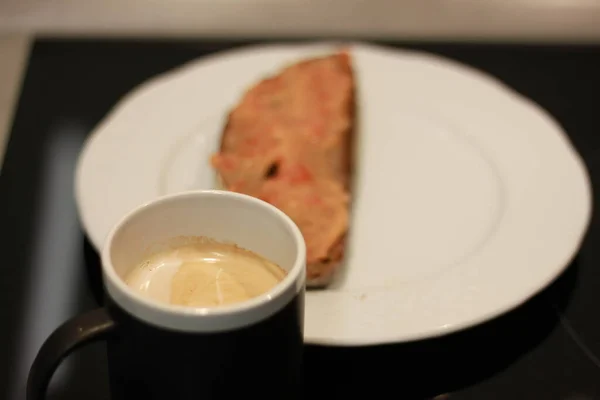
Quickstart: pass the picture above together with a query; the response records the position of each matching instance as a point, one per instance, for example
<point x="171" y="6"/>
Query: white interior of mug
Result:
<point x="223" y="216"/>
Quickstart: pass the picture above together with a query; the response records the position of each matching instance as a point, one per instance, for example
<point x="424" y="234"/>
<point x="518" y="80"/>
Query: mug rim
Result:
<point x="294" y="278"/>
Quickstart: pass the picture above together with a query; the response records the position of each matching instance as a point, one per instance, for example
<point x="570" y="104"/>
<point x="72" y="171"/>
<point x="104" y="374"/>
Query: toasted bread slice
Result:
<point x="289" y="142"/>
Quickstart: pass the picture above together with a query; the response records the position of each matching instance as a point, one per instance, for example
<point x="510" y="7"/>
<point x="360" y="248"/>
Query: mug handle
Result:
<point x="76" y="332"/>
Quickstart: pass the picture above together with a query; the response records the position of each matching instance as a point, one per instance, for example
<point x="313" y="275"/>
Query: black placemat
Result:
<point x="549" y="348"/>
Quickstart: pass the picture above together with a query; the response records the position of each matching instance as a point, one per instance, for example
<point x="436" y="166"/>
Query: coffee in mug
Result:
<point x="202" y="272"/>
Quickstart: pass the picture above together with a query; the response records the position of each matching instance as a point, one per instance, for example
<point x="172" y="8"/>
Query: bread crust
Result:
<point x="320" y="275"/>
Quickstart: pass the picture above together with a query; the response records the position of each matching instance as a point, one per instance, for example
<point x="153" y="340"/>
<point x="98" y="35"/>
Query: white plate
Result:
<point x="469" y="198"/>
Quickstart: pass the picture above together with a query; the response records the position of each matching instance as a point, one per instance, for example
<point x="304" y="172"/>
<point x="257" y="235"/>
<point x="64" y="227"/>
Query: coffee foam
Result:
<point x="204" y="273"/>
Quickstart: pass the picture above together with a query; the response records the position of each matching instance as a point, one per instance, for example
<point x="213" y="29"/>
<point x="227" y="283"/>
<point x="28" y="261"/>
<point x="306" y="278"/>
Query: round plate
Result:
<point x="468" y="199"/>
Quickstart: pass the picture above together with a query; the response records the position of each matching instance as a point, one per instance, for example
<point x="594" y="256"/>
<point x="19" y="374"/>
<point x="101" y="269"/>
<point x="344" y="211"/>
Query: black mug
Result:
<point x="164" y="351"/>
